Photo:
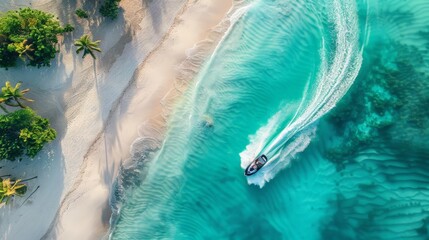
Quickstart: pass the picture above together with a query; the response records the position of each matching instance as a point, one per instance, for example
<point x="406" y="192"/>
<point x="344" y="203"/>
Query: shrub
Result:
<point x="110" y="9"/>
<point x="81" y="13"/>
<point x="30" y="34"/>
<point x="68" y="28"/>
<point x="23" y="132"/>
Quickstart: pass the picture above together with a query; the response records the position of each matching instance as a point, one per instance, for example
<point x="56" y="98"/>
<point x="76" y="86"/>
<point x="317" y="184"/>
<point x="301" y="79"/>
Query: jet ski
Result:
<point x="255" y="165"/>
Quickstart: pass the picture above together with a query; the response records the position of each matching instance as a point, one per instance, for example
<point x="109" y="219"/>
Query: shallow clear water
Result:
<point x="334" y="92"/>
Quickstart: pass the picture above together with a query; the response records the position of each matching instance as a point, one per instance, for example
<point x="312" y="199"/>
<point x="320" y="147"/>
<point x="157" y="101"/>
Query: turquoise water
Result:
<point x="334" y="92"/>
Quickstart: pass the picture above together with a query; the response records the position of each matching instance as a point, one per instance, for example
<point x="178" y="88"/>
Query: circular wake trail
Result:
<point x="340" y="64"/>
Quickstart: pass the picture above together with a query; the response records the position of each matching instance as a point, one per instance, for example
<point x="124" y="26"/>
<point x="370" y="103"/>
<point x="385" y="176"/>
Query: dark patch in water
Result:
<point x="387" y="104"/>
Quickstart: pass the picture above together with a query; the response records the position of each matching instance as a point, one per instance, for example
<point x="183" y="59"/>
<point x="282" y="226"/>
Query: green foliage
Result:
<point x="110" y="9"/>
<point x="11" y="96"/>
<point x="85" y="44"/>
<point x="23" y="132"/>
<point x="30" y="34"/>
<point x="81" y="13"/>
<point x="10" y="188"/>
<point x="68" y="28"/>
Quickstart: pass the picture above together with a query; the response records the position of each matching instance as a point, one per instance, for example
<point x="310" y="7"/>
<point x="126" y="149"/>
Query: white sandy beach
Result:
<point x="99" y="108"/>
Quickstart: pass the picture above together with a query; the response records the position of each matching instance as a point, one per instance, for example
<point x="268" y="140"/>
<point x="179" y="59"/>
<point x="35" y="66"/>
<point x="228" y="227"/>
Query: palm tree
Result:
<point x="10" y="188"/>
<point x="84" y="43"/>
<point x="9" y="94"/>
<point x="24" y="48"/>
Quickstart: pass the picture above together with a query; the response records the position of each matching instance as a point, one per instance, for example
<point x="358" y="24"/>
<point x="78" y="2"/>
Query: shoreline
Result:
<point x="156" y="47"/>
<point x="76" y="95"/>
<point x="91" y="200"/>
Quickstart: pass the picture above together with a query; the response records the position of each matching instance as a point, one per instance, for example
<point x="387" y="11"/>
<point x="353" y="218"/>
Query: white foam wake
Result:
<point x="333" y="81"/>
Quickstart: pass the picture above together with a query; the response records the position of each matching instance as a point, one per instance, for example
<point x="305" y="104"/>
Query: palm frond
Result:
<point x="84" y="43"/>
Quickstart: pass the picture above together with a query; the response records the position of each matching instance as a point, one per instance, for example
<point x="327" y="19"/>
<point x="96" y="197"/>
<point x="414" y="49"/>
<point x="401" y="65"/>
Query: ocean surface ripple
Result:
<point x="334" y="92"/>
